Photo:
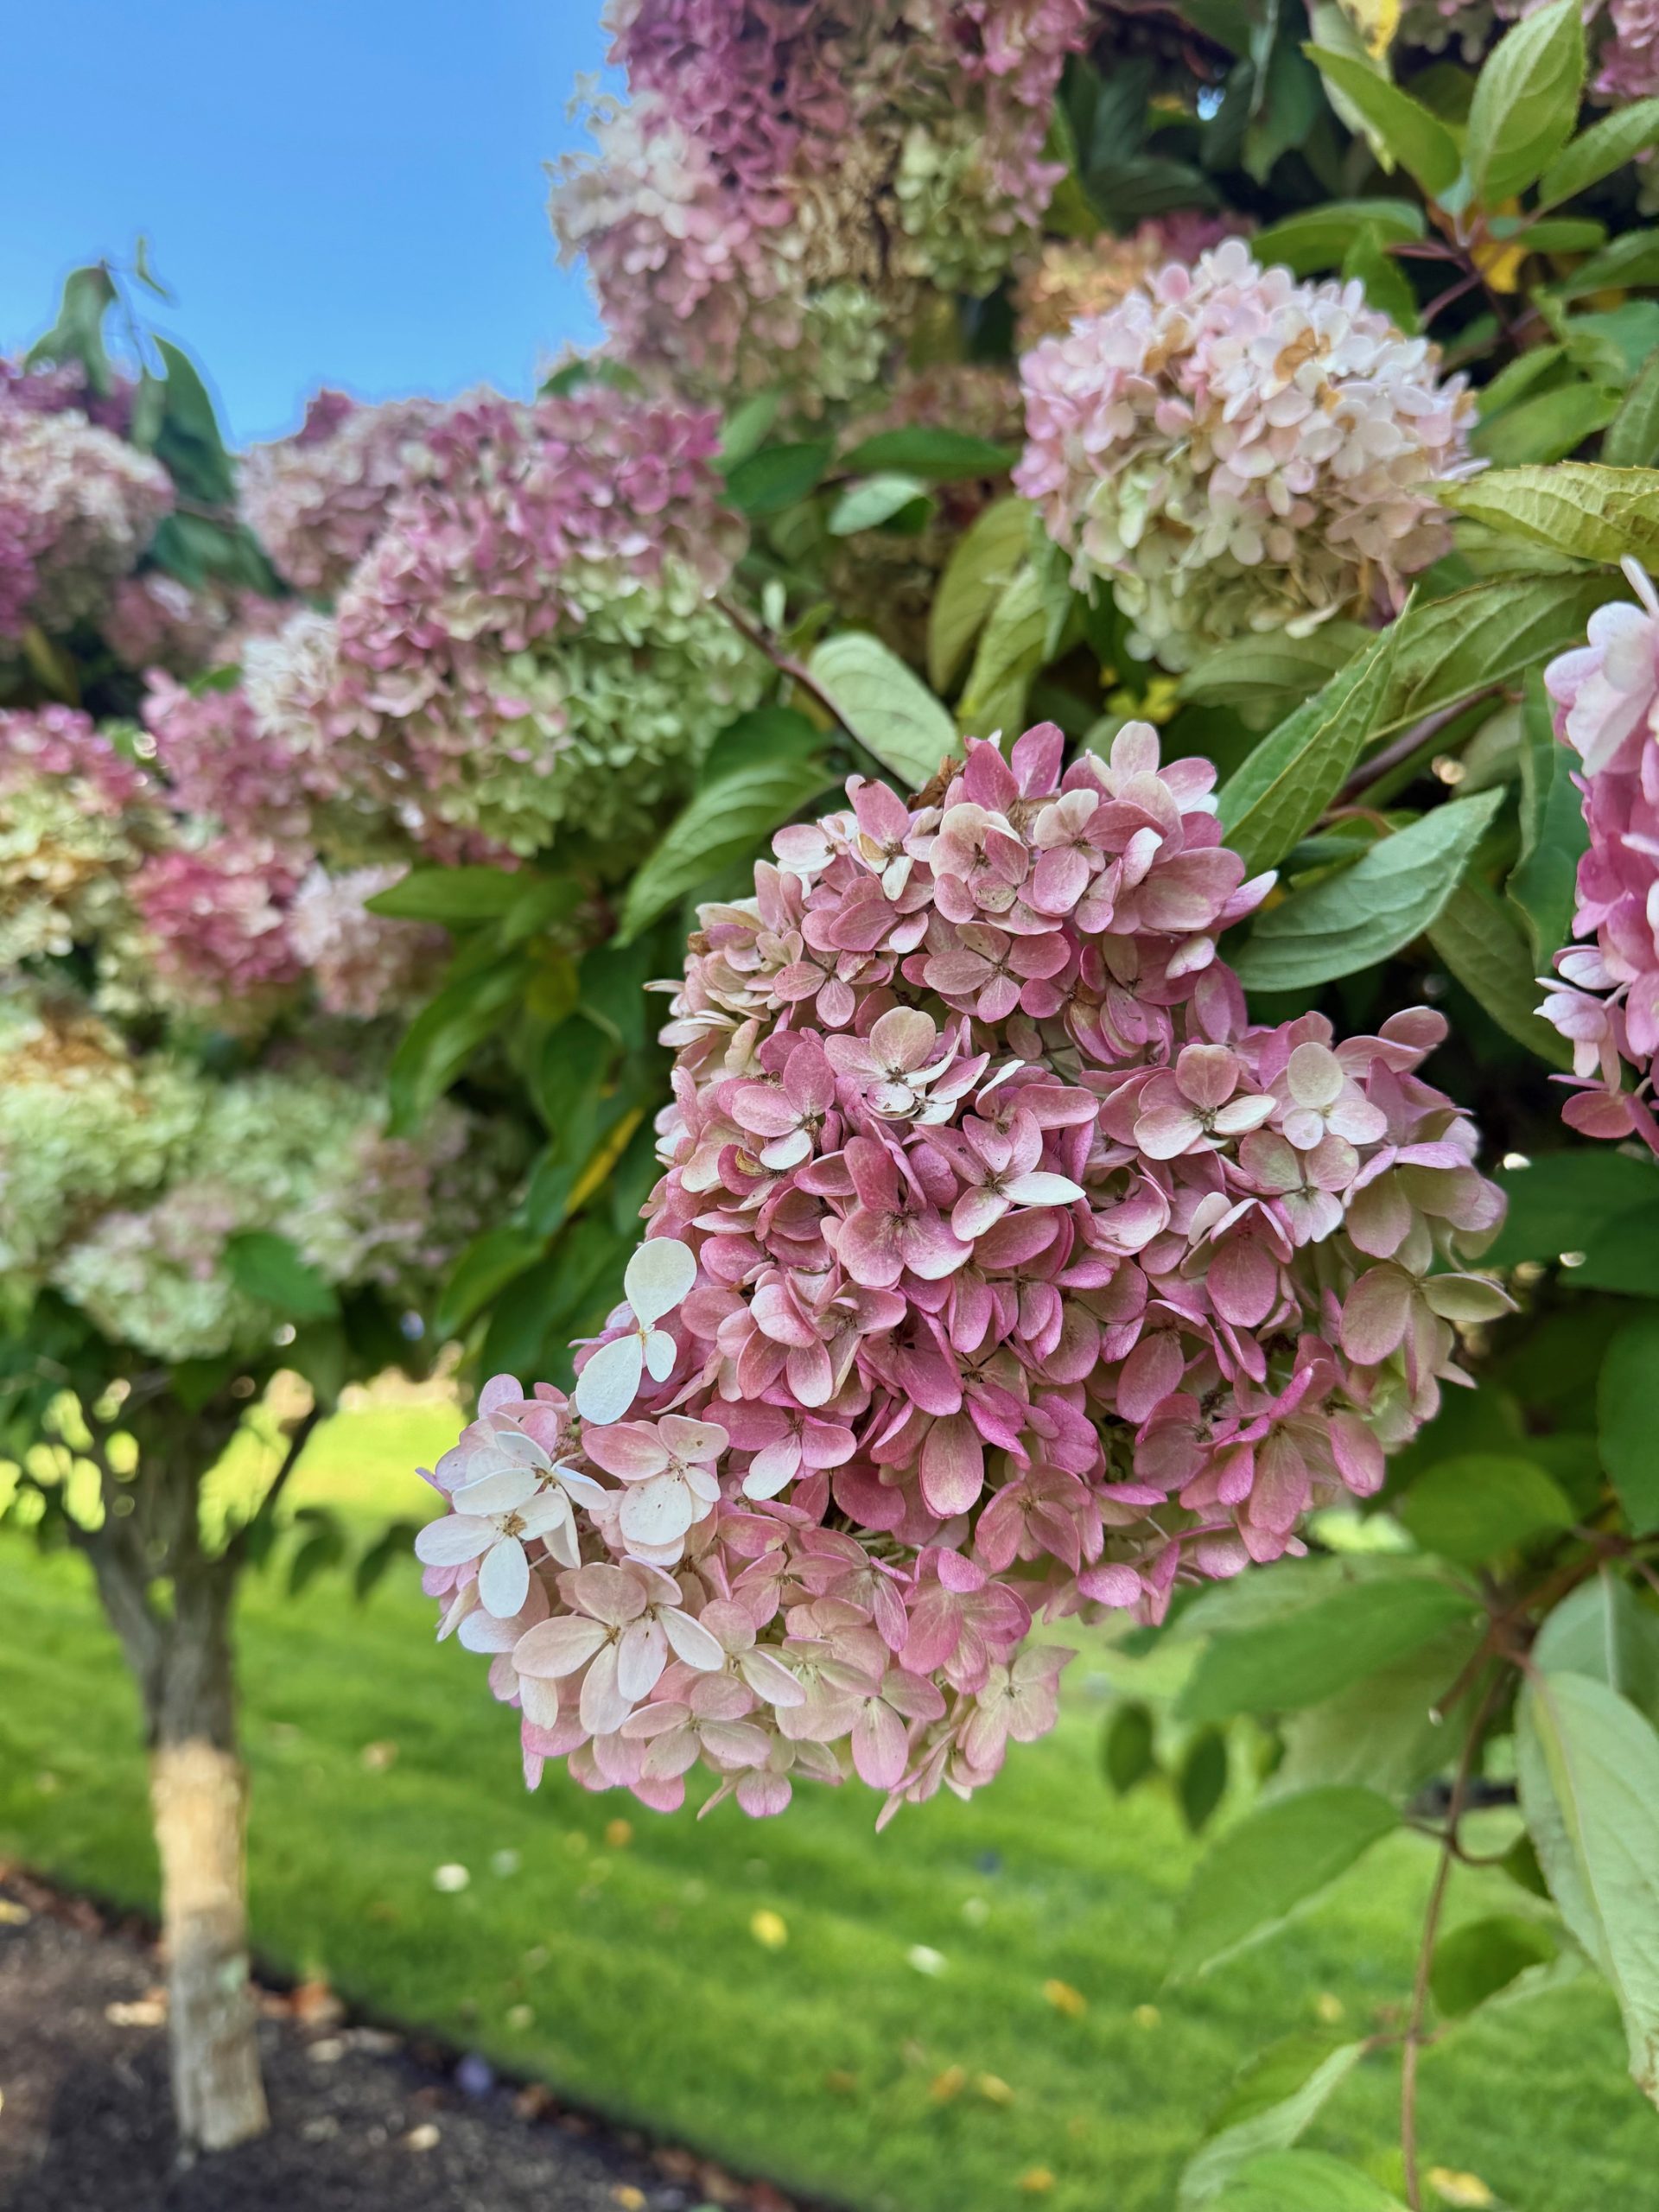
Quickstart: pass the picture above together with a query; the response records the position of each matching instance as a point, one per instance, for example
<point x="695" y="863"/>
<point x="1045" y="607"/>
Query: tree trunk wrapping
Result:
<point x="199" y="1800"/>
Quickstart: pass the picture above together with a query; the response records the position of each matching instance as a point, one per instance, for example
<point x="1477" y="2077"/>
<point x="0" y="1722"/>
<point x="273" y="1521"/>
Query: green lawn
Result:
<point x="620" y="1964"/>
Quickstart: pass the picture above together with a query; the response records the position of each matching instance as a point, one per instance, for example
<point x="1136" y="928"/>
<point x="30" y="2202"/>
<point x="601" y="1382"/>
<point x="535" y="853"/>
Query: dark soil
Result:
<point x="363" y="2120"/>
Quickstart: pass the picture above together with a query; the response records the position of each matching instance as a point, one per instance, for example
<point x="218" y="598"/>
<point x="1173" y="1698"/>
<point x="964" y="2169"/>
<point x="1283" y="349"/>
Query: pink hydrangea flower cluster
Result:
<point x="221" y="763"/>
<point x="1234" y="450"/>
<point x="1605" y="998"/>
<point x="1002" y="1270"/>
<point x="318" y="500"/>
<point x="214" y="916"/>
<point x="784" y="180"/>
<point x="1630" y="58"/>
<point x="61" y="743"/>
<point x="532" y="619"/>
<point x="78" y="506"/>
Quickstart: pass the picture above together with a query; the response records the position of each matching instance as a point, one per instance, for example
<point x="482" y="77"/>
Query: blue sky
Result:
<point x="339" y="191"/>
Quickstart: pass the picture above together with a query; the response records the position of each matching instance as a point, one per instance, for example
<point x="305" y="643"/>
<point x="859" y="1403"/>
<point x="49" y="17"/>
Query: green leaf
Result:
<point x="1588" y="1767"/>
<point x="1525" y="102"/>
<point x="1475" y="1961"/>
<point x="1603" y="1629"/>
<point x="1627" y="1421"/>
<point x="1276" y="2096"/>
<point x="1381" y="1733"/>
<point x="777" y="477"/>
<point x="1482" y="946"/>
<point x="1293" y="776"/>
<point x="1318" y="238"/>
<point x="747" y="425"/>
<point x="1278" y="1858"/>
<point x="1543" y="883"/>
<point x="489" y="1263"/>
<point x="1127" y="1755"/>
<point x="392" y="1544"/>
<point x="1418" y="140"/>
<point x="1448" y="648"/>
<point x="1563" y="234"/>
<point x="1623" y="1254"/>
<point x="1596" y="153"/>
<point x="1633" y="258"/>
<point x="940" y="454"/>
<point x="1013" y="644"/>
<point x="78" y="334"/>
<point x="1561" y="1200"/>
<point x="757" y="737"/>
<point x="893" y="499"/>
<point x="1577" y="507"/>
<point x="977" y="574"/>
<point x="1632" y="439"/>
<point x="189" y="443"/>
<point x="1548" y="426"/>
<point x="1304" y="2181"/>
<point x="265" y="1266"/>
<point x="1355" y="919"/>
<point x="1311" y="1652"/>
<point x="1386" y="288"/>
<point x="451" y="895"/>
<point x="1473" y="1508"/>
<point x="1202" y="1781"/>
<point x="445" y="1034"/>
<point x="727" y="822"/>
<point x="322" y="1547"/>
<point x="1274" y="670"/>
<point x="888" y="710"/>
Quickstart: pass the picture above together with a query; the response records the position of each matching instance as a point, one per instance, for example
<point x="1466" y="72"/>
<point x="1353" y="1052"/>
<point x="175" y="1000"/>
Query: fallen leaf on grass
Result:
<point x="1065" y="1998"/>
<point x="950" y="2083"/>
<point x="1035" y="2180"/>
<point x="993" y="2089"/>
<point x="769" y="1928"/>
<point x="1465" y="2190"/>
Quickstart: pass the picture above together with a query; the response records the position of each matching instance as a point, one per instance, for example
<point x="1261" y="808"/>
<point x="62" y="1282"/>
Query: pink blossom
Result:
<point x="1605" y="996"/>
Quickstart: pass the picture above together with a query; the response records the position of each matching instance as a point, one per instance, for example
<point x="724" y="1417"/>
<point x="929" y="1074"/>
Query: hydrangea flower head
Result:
<point x="1234" y="450"/>
<point x="1001" y="1270"/>
<point x="78" y="507"/>
<point x="318" y="500"/>
<point x="784" y="183"/>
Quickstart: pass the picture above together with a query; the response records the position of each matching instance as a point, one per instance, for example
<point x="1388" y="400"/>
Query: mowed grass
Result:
<point x="613" y="1953"/>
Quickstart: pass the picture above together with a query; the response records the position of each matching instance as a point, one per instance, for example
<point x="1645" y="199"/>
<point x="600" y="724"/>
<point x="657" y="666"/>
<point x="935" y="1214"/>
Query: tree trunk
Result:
<point x="169" y="1603"/>
<point x="198" y="1797"/>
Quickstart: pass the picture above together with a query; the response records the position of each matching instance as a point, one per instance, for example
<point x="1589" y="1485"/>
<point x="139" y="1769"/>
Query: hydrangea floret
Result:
<point x="1234" y="451"/>
<point x="1002" y="1270"/>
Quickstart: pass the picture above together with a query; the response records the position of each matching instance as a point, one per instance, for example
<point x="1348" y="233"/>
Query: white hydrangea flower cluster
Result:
<point x="1235" y="451"/>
